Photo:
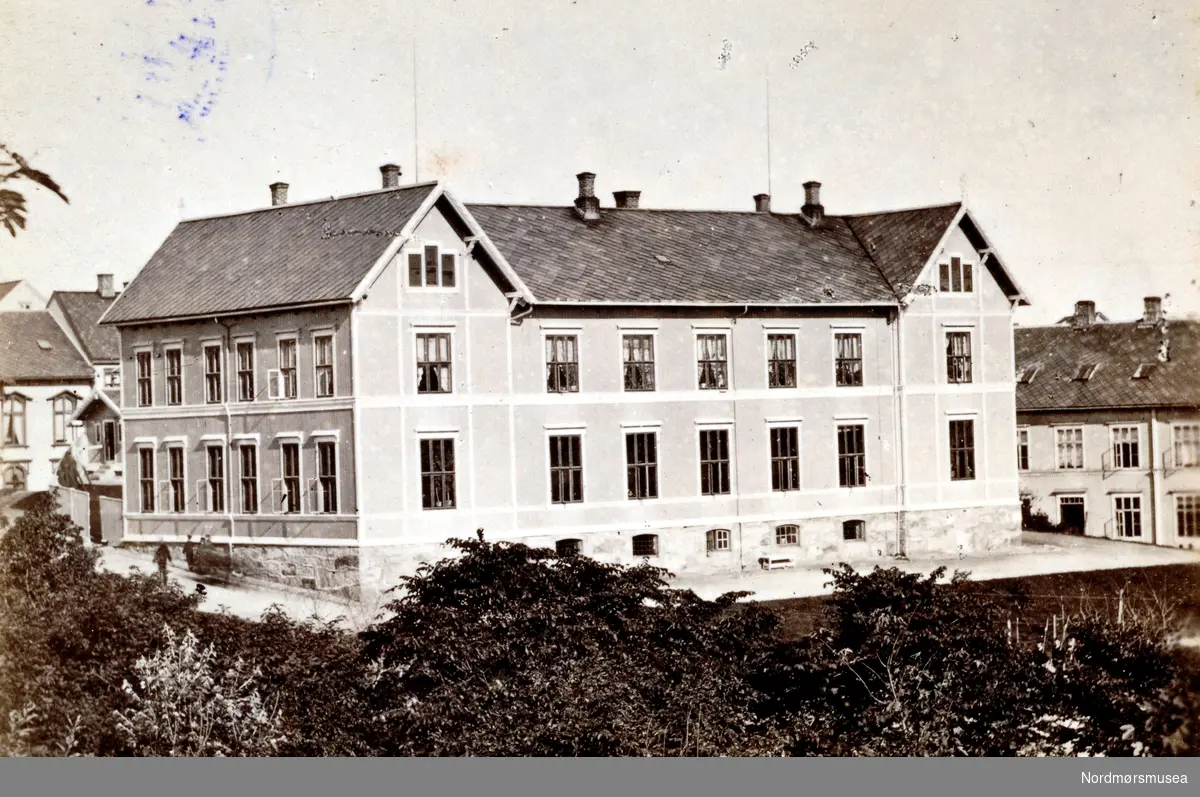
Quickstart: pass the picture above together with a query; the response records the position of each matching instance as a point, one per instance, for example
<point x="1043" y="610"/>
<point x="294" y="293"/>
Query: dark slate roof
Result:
<point x="23" y="359"/>
<point x="680" y="256"/>
<point x="902" y="241"/>
<point x="6" y="287"/>
<point x="1118" y="349"/>
<point x="82" y="310"/>
<point x="285" y="255"/>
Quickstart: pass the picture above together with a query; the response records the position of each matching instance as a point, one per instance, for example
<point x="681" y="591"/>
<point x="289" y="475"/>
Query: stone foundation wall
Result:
<point x="334" y="570"/>
<point x="968" y="530"/>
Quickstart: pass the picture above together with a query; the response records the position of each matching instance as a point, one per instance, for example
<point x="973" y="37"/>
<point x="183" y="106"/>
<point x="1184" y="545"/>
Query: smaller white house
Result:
<point x="43" y="379"/>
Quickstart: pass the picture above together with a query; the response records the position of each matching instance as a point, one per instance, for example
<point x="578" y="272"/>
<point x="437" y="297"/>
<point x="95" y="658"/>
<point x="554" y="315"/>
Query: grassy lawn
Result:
<point x="1146" y="590"/>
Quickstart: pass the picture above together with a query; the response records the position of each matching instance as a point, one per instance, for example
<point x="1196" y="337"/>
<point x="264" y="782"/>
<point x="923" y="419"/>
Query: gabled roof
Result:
<point x="1061" y="354"/>
<point x="301" y="253"/>
<point x="82" y="310"/>
<point x="33" y="348"/>
<point x="647" y="256"/>
<point x="901" y="242"/>
<point x="109" y="398"/>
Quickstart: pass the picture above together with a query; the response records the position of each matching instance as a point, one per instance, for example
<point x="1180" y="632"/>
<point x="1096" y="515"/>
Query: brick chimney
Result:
<point x="279" y="193"/>
<point x="627" y="199"/>
<point x="391" y="175"/>
<point x="1152" y="315"/>
<point x="762" y="203"/>
<point x="813" y="211"/>
<point x="587" y="205"/>
<point x="104" y="286"/>
<point x="1085" y="314"/>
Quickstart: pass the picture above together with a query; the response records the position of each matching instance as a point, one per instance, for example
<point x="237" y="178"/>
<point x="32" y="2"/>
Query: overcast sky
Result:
<point x="1072" y="131"/>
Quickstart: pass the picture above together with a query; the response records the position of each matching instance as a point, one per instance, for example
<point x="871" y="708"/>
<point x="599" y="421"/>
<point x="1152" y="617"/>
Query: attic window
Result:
<point x="44" y="345"/>
<point x="956" y="276"/>
<point x="1143" y="371"/>
<point x="431" y="268"/>
<point x="1025" y="375"/>
<point x="1086" y="372"/>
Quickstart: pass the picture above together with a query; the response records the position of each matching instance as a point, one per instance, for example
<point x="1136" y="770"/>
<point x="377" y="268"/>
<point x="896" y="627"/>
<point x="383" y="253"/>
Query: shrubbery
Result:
<point x="509" y="650"/>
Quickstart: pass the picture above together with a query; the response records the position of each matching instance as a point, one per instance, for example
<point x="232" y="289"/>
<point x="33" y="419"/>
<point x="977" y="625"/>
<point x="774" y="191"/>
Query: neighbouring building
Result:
<point x="43" y="378"/>
<point x="1108" y="435"/>
<point x="336" y="387"/>
<point x="97" y="421"/>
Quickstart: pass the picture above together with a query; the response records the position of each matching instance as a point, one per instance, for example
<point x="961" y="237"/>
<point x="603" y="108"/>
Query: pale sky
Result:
<point x="1073" y="131"/>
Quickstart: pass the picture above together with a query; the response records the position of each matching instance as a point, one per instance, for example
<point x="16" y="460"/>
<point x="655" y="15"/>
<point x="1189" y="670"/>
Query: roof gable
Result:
<point x="302" y="253"/>
<point x="82" y="311"/>
<point x="902" y="242"/>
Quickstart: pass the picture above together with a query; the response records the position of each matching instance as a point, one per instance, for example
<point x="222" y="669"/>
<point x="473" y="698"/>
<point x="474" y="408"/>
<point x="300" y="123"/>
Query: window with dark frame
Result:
<point x="958" y="357"/>
<point x="323" y="364"/>
<point x="178" y="486"/>
<point x="1022" y="449"/>
<point x="431" y="268"/>
<point x="1125" y="448"/>
<point x="1128" y="515"/>
<point x="638" y="356"/>
<point x="245" y="370"/>
<point x="712" y="361"/>
<point x="645" y="545"/>
<point x="1187" y="515"/>
<point x="848" y="358"/>
<point x="216" y="478"/>
<point x="437" y="473"/>
<point x="716" y="540"/>
<point x="562" y="364"/>
<point x="714" y="461"/>
<point x="852" y="455"/>
<point x="212" y="374"/>
<point x="781" y="360"/>
<point x="145" y="378"/>
<point x="962" y="450"/>
<point x="14" y="420"/>
<point x="785" y="458"/>
<point x="248" y="454"/>
<point x="287" y="368"/>
<point x="566" y="469"/>
<point x="290" y="465"/>
<point x="641" y="464"/>
<point x="327" y="476"/>
<point x="433" y="363"/>
<point x="568" y="547"/>
<point x="854" y="530"/>
<point x="146" y="478"/>
<point x="15" y="477"/>
<point x="64" y="407"/>
<point x="956" y="276"/>
<point x="174" y="377"/>
<point x="787" y="534"/>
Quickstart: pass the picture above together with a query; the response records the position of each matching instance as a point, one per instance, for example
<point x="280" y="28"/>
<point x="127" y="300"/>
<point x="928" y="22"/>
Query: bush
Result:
<point x="179" y="707"/>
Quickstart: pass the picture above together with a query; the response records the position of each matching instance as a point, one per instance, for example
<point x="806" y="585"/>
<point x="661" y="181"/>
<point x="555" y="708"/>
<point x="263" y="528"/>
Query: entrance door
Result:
<point x="1072" y="513"/>
<point x="110" y="441"/>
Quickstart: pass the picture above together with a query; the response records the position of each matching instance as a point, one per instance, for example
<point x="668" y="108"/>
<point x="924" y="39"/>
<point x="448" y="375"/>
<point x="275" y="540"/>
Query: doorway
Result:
<point x="1072" y="513"/>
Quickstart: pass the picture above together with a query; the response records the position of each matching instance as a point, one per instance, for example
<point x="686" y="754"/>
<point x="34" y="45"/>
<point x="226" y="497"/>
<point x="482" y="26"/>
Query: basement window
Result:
<point x="1086" y="372"/>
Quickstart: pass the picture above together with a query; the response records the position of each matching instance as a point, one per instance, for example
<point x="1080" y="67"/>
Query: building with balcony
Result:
<point x="1108" y="435"/>
<point x="336" y="387"/>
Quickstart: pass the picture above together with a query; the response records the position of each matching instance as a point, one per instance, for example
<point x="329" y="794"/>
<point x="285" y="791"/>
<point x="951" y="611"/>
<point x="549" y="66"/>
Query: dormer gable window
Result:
<point x="956" y="276"/>
<point x="1026" y="375"/>
<point x="1143" y="371"/>
<point x="1086" y="372"/>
